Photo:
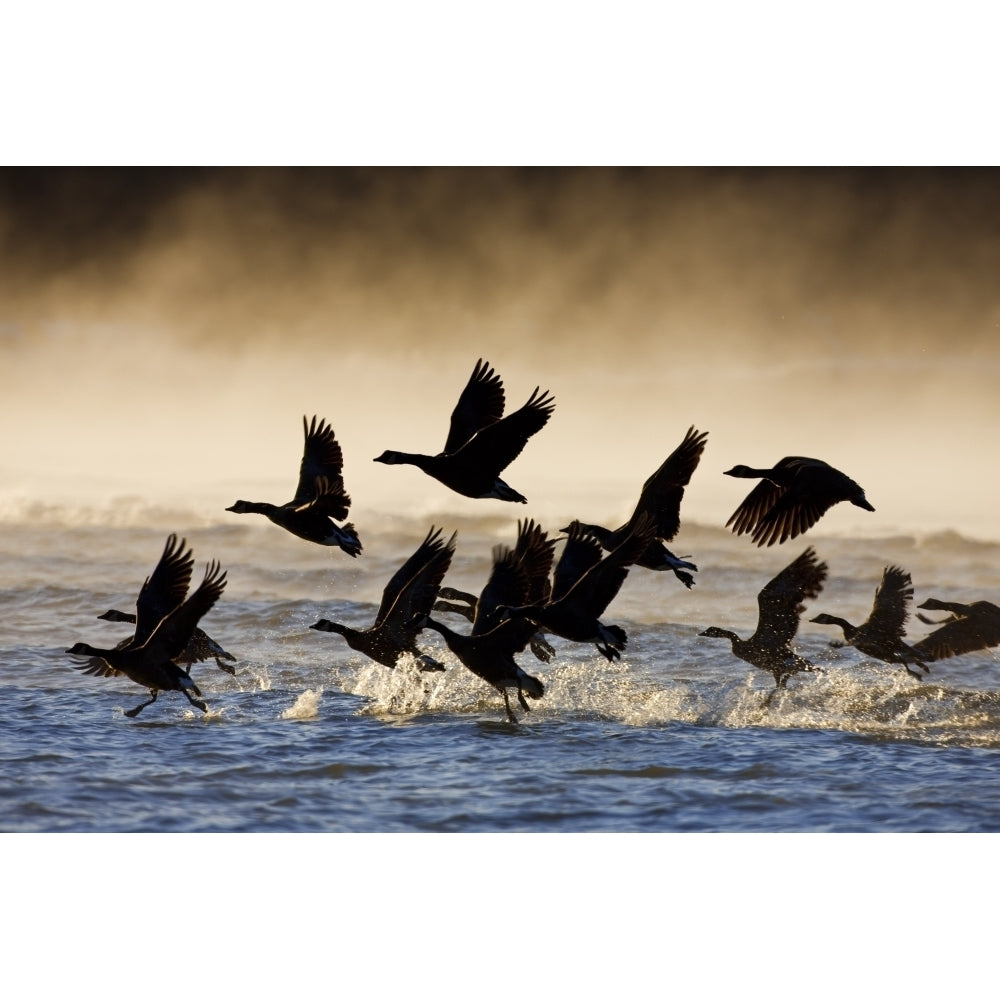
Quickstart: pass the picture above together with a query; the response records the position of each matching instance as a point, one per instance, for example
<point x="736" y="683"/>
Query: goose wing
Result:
<point x="662" y="493"/>
<point x="979" y="629"/>
<point x="413" y="588"/>
<point x="762" y="498"/>
<point x="321" y="456"/>
<point x="329" y="497"/>
<point x="780" y="601"/>
<point x="481" y="404"/>
<point x="175" y="631"/>
<point x="507" y="585"/>
<point x="598" y="587"/>
<point x="535" y="553"/>
<point x="498" y="444"/>
<point x="580" y="553"/>
<point x="97" y="666"/>
<point x="890" y="608"/>
<point x="164" y="589"/>
<point x="789" y="517"/>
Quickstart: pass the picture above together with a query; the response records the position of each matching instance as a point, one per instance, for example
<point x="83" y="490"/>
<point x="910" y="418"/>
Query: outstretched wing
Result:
<point x="497" y="445"/>
<point x="321" y="457"/>
<point x="780" y="601"/>
<point x="164" y="589"/>
<point x="175" y="631"/>
<point x="790" y="517"/>
<point x="413" y="588"/>
<point x="480" y="404"/>
<point x="581" y="552"/>
<point x="662" y="493"/>
<point x="890" y="607"/>
<point x="757" y="503"/>
<point x="97" y="666"/>
<point x="329" y="498"/>
<point x="507" y="585"/>
<point x="535" y="553"/>
<point x="597" y="588"/>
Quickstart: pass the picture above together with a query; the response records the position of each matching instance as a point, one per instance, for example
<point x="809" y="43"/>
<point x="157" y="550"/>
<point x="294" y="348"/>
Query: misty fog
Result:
<point x="163" y="332"/>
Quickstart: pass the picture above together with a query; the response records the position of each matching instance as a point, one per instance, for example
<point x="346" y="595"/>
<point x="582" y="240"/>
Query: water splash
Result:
<point x="306" y="706"/>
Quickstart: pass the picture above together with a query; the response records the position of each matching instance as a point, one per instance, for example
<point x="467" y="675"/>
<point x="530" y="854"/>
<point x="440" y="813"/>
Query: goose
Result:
<point x="162" y="591"/>
<point x="481" y="442"/>
<point x="790" y="498"/>
<point x="201" y="646"/>
<point x="779" y="606"/>
<point x="409" y="594"/>
<point x="660" y="498"/>
<point x="519" y="576"/>
<point x="491" y="657"/>
<point x="575" y="606"/>
<point x="150" y="658"/>
<point x="880" y="635"/>
<point x="968" y="629"/>
<point x="319" y="496"/>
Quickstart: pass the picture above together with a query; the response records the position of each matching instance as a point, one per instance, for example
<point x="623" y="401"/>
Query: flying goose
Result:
<point x="490" y="656"/>
<point x="407" y="596"/>
<point x="779" y="608"/>
<point x="968" y="629"/>
<point x="660" y="498"/>
<point x="574" y="609"/>
<point x="518" y="576"/>
<point x="880" y="635"/>
<point x="201" y="647"/>
<point x="790" y="498"/>
<point x="149" y="659"/>
<point x="319" y="497"/>
<point x="481" y="442"/>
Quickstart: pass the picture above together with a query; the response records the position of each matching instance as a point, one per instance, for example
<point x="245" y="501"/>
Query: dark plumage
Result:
<point x="162" y="591"/>
<point x="584" y="586"/>
<point x="200" y="648"/>
<point x="881" y="634"/>
<point x="149" y="658"/>
<point x="407" y="597"/>
<point x="660" y="499"/>
<point x="319" y="497"/>
<point x="491" y="657"/>
<point x="780" y="607"/>
<point x="791" y="498"/>
<point x="481" y="441"/>
<point x="519" y="576"/>
<point x="968" y="629"/>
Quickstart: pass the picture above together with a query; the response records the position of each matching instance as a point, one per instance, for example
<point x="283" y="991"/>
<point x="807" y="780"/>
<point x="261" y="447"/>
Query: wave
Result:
<point x="868" y="700"/>
<point x="130" y="510"/>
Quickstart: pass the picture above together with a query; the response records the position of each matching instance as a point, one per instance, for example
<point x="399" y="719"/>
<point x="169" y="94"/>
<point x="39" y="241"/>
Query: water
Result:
<point x="678" y="736"/>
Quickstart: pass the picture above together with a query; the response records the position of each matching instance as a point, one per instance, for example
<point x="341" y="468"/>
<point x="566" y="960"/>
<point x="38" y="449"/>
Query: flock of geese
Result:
<point x="530" y="594"/>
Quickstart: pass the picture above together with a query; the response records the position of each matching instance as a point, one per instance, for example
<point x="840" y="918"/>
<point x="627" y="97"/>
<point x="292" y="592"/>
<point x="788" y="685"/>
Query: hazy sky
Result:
<point x="163" y="331"/>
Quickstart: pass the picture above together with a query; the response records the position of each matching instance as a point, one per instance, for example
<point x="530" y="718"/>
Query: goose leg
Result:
<point x="542" y="649"/>
<point x="229" y="669"/>
<point x="197" y="702"/>
<point x="511" y="717"/>
<point x="133" y="712"/>
<point x="428" y="664"/>
<point x="520" y="698"/>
